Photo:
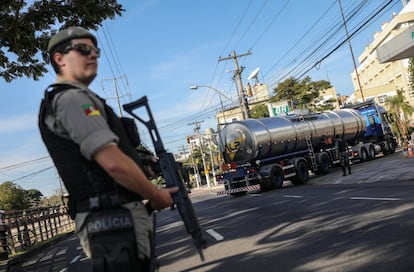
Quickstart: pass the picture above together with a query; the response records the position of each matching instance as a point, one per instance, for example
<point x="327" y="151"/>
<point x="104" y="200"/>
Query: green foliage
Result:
<point x="13" y="197"/>
<point x="34" y="196"/>
<point x="399" y="107"/>
<point x="327" y="105"/>
<point x="259" y="111"/>
<point x="25" y="30"/>
<point x="411" y="75"/>
<point x="300" y="93"/>
<point x="52" y="200"/>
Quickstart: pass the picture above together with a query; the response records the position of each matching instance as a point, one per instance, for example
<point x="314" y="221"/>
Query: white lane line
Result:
<point x="215" y="234"/>
<point x="293" y="196"/>
<point x="74" y="260"/>
<point x="375" y="198"/>
<point x="64" y="270"/>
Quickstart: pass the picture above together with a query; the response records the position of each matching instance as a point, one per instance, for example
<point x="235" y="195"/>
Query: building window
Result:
<point x="382" y="98"/>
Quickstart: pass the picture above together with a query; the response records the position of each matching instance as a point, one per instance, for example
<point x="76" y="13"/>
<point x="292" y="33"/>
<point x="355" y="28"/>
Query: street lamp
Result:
<point x="195" y="87"/>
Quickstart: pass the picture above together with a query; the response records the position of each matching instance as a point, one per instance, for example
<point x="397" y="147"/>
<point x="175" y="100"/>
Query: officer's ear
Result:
<point x="58" y="59"/>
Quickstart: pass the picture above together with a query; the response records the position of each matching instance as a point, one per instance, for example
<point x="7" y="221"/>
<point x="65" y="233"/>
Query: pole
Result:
<point x="197" y="131"/>
<point x="242" y="95"/>
<point x="116" y="91"/>
<point x="196" y="173"/>
<point x="212" y="160"/>
<point x="195" y="87"/>
<point x="352" y="52"/>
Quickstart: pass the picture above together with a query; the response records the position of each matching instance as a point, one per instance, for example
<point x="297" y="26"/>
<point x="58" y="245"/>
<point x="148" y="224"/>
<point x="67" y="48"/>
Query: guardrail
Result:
<point x="23" y="229"/>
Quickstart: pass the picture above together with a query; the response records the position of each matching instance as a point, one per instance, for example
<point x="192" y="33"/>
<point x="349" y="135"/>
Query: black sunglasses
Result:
<point x="83" y="49"/>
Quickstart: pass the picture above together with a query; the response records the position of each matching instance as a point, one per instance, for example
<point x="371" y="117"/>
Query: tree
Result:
<point x="53" y="200"/>
<point x="399" y="107"/>
<point x="12" y="197"/>
<point x="411" y="76"/>
<point x="259" y="111"/>
<point x="300" y="93"/>
<point x="34" y="197"/>
<point x="326" y="105"/>
<point x="25" y="30"/>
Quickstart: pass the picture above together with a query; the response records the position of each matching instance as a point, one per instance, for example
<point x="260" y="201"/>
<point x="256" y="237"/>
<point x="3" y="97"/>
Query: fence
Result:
<point x="23" y="229"/>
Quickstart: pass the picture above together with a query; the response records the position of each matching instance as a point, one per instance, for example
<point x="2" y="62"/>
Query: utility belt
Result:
<point x="103" y="200"/>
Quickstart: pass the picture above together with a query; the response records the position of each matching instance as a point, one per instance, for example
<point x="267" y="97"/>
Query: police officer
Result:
<point x="97" y="163"/>
<point x="342" y="151"/>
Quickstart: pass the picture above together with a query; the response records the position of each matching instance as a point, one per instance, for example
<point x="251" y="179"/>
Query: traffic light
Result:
<point x="188" y="139"/>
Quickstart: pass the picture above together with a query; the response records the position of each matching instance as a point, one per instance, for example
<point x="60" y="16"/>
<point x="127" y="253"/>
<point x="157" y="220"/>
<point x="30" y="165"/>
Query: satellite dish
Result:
<point x="254" y="74"/>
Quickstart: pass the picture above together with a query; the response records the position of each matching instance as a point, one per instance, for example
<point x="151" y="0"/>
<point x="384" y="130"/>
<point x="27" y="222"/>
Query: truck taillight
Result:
<point x="251" y="170"/>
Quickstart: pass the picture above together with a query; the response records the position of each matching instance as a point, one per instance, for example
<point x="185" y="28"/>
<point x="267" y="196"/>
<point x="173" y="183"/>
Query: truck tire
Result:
<point x="363" y="155"/>
<point x="371" y="152"/>
<point x="302" y="174"/>
<point x="238" y="193"/>
<point x="391" y="147"/>
<point x="276" y="178"/>
<point x="324" y="164"/>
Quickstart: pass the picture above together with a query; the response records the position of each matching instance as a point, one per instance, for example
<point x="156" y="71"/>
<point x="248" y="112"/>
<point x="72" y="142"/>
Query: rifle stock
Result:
<point x="171" y="175"/>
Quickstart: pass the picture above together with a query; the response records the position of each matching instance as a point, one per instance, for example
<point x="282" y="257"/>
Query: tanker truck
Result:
<point x="263" y="153"/>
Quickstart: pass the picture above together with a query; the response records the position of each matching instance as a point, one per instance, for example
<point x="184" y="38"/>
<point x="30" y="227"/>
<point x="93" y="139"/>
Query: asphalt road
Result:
<point x="361" y="222"/>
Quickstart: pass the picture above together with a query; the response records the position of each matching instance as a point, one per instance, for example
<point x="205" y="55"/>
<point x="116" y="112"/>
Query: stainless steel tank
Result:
<point x="252" y="139"/>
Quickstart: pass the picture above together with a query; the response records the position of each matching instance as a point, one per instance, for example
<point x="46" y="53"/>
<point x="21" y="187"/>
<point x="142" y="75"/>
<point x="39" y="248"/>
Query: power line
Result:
<point x="21" y="164"/>
<point x="33" y="174"/>
<point x="344" y="41"/>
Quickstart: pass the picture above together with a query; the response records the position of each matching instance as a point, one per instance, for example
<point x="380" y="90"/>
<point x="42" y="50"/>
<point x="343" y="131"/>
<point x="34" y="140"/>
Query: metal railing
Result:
<point x="23" y="229"/>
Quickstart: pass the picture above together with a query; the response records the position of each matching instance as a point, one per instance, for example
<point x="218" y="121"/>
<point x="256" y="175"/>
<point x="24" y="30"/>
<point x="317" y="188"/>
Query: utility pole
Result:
<point x="211" y="157"/>
<point x="197" y="131"/>
<point x="352" y="52"/>
<point x="195" y="169"/>
<point x="237" y="73"/>
<point x="116" y="91"/>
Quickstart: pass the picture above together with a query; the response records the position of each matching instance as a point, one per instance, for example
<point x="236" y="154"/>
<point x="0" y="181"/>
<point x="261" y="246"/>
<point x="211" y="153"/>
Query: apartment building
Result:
<point x="380" y="80"/>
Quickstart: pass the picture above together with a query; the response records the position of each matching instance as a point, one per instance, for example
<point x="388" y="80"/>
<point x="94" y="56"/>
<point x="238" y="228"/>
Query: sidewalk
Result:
<point x="18" y="257"/>
<point x="205" y="189"/>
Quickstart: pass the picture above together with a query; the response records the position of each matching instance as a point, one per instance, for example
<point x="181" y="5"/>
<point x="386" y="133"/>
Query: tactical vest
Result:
<point x="83" y="179"/>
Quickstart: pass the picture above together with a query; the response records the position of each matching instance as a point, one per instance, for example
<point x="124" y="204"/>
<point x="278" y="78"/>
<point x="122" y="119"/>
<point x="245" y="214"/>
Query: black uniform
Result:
<point x="342" y="147"/>
<point x="94" y="196"/>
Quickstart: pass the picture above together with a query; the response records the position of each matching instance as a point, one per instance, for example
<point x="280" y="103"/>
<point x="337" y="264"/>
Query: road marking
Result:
<point x="375" y="198"/>
<point x="293" y="196"/>
<point x="64" y="269"/>
<point x="215" y="234"/>
<point x="74" y="260"/>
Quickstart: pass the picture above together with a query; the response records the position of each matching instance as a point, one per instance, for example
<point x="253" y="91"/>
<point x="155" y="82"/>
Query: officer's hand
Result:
<point x="163" y="199"/>
<point x="152" y="167"/>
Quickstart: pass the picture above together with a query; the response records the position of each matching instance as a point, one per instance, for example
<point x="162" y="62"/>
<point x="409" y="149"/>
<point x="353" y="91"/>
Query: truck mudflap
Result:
<point x="241" y="189"/>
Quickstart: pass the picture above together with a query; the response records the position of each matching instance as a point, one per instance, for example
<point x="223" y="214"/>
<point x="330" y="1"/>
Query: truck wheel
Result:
<point x="324" y="163"/>
<point x="391" y="147"/>
<point x="276" y="178"/>
<point x="371" y="152"/>
<point x="363" y="156"/>
<point x="238" y="193"/>
<point x="302" y="174"/>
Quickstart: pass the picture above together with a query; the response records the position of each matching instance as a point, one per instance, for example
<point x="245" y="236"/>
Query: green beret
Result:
<point x="73" y="32"/>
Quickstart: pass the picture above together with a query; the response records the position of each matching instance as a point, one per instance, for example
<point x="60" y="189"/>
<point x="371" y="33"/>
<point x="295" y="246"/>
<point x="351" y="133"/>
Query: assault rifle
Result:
<point x="171" y="175"/>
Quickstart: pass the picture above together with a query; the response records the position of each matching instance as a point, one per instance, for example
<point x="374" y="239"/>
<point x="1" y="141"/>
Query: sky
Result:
<point x="160" y="48"/>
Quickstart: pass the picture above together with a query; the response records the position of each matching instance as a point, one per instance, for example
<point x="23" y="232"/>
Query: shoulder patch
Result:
<point x="90" y="110"/>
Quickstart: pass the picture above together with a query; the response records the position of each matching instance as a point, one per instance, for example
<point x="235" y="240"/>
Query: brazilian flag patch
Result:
<point x="90" y="110"/>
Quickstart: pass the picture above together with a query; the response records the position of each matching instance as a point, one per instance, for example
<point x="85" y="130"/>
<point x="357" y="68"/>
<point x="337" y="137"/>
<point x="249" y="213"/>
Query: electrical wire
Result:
<point x="22" y="164"/>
